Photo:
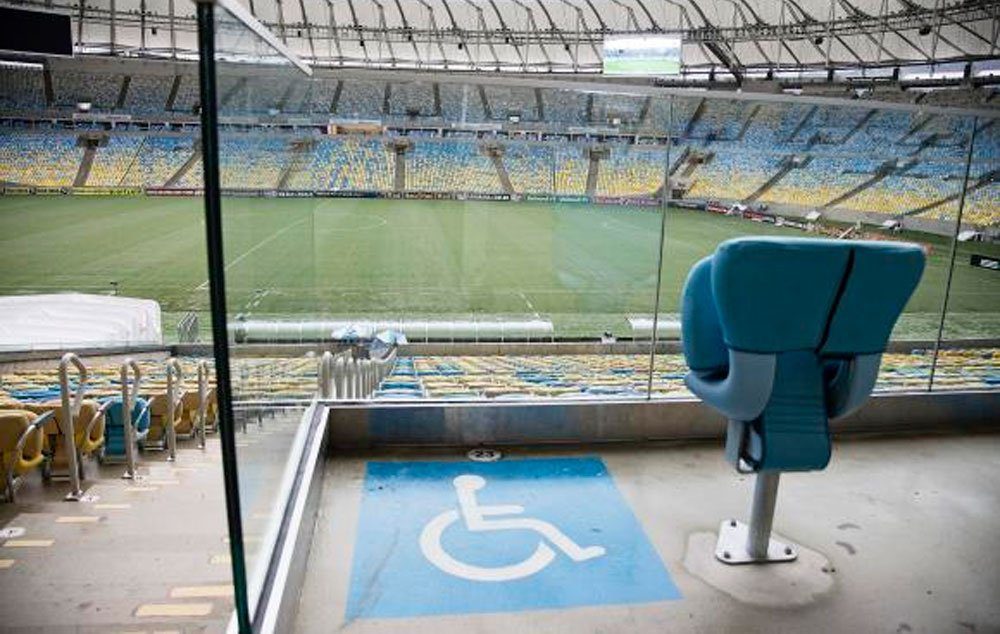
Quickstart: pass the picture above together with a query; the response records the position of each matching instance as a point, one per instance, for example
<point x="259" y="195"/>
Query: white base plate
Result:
<point x="732" y="546"/>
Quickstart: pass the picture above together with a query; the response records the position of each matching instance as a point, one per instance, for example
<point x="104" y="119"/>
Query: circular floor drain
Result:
<point x="485" y="455"/>
<point x="11" y="532"/>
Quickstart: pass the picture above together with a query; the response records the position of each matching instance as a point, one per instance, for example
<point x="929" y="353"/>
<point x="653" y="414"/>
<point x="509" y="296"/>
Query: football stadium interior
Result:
<point x="287" y="289"/>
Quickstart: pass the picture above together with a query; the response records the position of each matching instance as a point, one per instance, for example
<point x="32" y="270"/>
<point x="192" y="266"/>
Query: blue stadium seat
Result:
<point x="781" y="335"/>
<point x="114" y="448"/>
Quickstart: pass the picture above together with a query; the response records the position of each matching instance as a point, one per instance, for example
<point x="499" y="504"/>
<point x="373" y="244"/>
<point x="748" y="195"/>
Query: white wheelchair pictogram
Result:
<point x="483" y="518"/>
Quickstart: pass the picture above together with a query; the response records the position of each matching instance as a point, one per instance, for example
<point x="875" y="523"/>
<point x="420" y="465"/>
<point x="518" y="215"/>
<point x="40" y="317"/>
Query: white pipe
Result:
<point x="69" y="413"/>
<point x="202" y="402"/>
<point x="326" y="375"/>
<point x="173" y="367"/>
<point x="128" y="396"/>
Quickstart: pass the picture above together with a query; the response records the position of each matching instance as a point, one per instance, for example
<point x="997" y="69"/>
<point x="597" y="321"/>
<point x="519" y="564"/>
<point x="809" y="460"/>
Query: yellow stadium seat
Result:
<point x="21" y="442"/>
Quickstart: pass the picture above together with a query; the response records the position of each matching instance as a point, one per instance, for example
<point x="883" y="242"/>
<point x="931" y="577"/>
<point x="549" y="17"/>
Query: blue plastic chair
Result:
<point x="114" y="431"/>
<point x="781" y="335"/>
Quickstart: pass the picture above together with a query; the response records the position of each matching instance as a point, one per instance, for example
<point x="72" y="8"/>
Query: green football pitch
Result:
<point x="584" y="267"/>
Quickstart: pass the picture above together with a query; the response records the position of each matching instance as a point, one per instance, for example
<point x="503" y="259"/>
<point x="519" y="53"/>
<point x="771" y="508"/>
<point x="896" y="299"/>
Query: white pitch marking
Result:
<point x="531" y="306"/>
<point x="240" y="257"/>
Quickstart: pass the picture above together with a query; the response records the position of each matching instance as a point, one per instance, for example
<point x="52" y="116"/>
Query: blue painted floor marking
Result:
<point x="514" y="535"/>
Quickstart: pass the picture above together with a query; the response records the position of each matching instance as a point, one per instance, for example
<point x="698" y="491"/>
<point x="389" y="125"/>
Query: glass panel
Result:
<point x="795" y="168"/>
<point x="269" y="252"/>
<point x="969" y="357"/>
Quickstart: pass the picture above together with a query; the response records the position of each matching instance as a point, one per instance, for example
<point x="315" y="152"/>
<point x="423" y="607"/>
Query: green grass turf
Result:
<point x="585" y="267"/>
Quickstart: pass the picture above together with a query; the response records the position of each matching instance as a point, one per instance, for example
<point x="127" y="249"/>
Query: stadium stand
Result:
<point x="148" y="94"/>
<point x="530" y="166"/>
<point x="112" y="162"/>
<point x="910" y="159"/>
<point x="101" y="90"/>
<point x="187" y="94"/>
<point x="256" y="95"/>
<point x="21" y="89"/>
<point x="507" y="101"/>
<point x="450" y="166"/>
<point x="194" y="176"/>
<point x="631" y="171"/>
<point x="720" y="118"/>
<point x="361" y="100"/>
<point x="570" y="170"/>
<point x="412" y="98"/>
<point x="346" y="163"/>
<point x="733" y="174"/>
<point x="251" y="162"/>
<point x="318" y="97"/>
<point x="461" y="103"/>
<point x="160" y="158"/>
<point x="565" y="106"/>
<point x="39" y="158"/>
<point x="593" y="375"/>
<point x="549" y="376"/>
<point x="822" y="180"/>
<point x="626" y="108"/>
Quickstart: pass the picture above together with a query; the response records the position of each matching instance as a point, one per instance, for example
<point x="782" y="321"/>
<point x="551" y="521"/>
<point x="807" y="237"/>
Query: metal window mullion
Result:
<point x="217" y="296"/>
<point x="664" y="205"/>
<point x="954" y="250"/>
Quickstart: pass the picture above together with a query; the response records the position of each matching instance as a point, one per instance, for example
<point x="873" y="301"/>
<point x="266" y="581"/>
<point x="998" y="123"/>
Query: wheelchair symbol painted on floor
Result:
<point x="481" y="518"/>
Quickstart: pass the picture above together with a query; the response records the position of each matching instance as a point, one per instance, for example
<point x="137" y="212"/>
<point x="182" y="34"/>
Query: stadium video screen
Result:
<point x="656" y="55"/>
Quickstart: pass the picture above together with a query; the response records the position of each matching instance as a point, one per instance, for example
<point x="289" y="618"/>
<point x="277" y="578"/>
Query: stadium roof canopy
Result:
<point x="566" y="35"/>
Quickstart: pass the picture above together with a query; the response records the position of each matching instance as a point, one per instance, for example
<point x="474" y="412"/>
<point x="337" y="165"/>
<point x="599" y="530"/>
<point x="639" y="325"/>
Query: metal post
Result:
<point x="664" y="203"/>
<point x="68" y="413"/>
<point x="740" y="543"/>
<point x="765" y="494"/>
<point x="128" y="428"/>
<point x="340" y="377"/>
<point x="326" y="375"/>
<point x="217" y="297"/>
<point x="173" y="369"/>
<point x="202" y="402"/>
<point x="954" y="250"/>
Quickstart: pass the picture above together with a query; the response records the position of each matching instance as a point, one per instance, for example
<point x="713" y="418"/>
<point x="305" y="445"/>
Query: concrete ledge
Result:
<point x="367" y="424"/>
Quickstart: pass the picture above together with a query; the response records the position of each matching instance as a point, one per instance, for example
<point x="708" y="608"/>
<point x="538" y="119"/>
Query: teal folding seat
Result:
<point x="781" y="335"/>
<point x="114" y="449"/>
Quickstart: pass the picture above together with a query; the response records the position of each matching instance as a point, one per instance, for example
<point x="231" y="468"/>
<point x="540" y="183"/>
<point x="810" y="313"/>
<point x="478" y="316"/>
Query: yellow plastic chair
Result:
<point x="158" y="412"/>
<point x="21" y="443"/>
<point x="189" y="417"/>
<point x="88" y="432"/>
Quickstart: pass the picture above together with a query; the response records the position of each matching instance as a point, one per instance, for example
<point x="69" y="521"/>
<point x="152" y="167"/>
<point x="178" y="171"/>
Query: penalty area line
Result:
<point x="243" y="255"/>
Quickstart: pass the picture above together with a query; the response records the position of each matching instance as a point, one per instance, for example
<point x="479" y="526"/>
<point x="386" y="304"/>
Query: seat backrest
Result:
<point x="114" y="414"/>
<point x="13" y="423"/>
<point x="803" y="305"/>
<point x="836" y="297"/>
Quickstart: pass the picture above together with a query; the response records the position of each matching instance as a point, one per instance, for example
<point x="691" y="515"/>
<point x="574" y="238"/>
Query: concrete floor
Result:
<point x="145" y="556"/>
<point x="897" y="535"/>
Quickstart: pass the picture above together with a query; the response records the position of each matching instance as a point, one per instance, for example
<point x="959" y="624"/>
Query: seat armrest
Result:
<point x="743" y="392"/>
<point x="851" y="384"/>
<point x="701" y="333"/>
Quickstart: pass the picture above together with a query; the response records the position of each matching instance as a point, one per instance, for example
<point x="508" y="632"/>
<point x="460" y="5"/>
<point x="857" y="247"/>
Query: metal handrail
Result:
<point x="128" y="426"/>
<point x="35" y="425"/>
<point x="173" y="369"/>
<point x="202" y="402"/>
<point x="69" y="413"/>
<point x="343" y="377"/>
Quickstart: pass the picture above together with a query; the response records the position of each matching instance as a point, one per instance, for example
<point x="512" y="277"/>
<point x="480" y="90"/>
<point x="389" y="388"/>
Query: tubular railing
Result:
<point x="128" y="421"/>
<point x="10" y="474"/>
<point x="202" y="402"/>
<point x="343" y="377"/>
<point x="187" y="328"/>
<point x="69" y="412"/>
<point x="175" y="378"/>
